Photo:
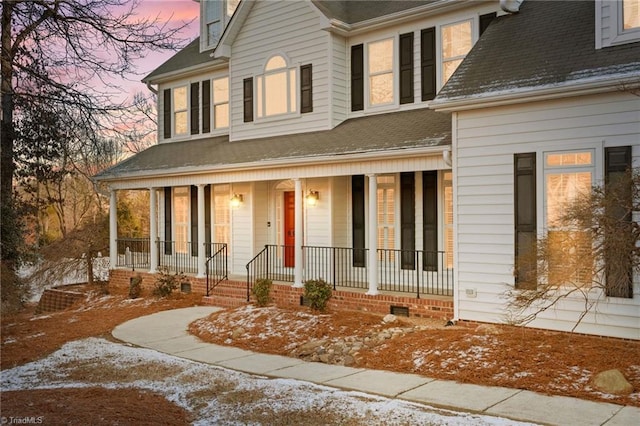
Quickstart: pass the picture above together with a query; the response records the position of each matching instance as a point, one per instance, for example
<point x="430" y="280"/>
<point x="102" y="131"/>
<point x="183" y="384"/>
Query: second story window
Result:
<point x="380" y="69"/>
<point x="180" y="114"/>
<point x="631" y="14"/>
<point x="276" y="89"/>
<point x="456" y="43"/>
<point x="221" y="102"/>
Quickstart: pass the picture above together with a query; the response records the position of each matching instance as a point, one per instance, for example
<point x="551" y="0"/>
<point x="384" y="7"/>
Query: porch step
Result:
<point x="227" y="294"/>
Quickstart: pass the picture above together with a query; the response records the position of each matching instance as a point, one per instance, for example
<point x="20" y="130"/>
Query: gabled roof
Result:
<point x="382" y="134"/>
<point x="548" y="44"/>
<point x="352" y="12"/>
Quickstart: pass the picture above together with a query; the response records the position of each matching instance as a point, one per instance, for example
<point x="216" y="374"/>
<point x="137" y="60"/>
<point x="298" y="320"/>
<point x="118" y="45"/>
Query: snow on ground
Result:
<point x="216" y="395"/>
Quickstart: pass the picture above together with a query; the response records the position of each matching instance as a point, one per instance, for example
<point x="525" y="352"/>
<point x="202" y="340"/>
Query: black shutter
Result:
<point x="247" y="90"/>
<point x="485" y="20"/>
<point x="167" y="113"/>
<point x="618" y="254"/>
<point x="207" y="218"/>
<point x="357" y="205"/>
<point x="194" y="220"/>
<point x="167" y="221"/>
<point x="525" y="221"/>
<point x="206" y="106"/>
<point x="195" y="108"/>
<point x="428" y="63"/>
<point x="357" y="78"/>
<point x="406" y="68"/>
<point x="408" y="219"/>
<point x="306" y="89"/>
<point x="430" y="220"/>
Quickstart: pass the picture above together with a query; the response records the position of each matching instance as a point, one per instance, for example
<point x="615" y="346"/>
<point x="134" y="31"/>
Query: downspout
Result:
<point x="446" y="157"/>
<point x="511" y="6"/>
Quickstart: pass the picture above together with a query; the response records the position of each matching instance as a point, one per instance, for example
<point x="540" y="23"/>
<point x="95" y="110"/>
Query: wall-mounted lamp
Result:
<point x="312" y="198"/>
<point x="236" y="200"/>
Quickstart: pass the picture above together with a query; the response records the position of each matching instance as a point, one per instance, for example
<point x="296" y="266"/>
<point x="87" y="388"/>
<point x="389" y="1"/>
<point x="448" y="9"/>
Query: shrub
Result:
<point x="135" y="287"/>
<point x="317" y="292"/>
<point x="262" y="291"/>
<point x="166" y="283"/>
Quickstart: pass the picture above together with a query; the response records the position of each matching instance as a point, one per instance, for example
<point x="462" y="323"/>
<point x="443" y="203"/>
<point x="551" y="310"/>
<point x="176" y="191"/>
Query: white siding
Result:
<point x="339" y="80"/>
<point x="292" y="29"/>
<point x="486" y="142"/>
<point x="260" y="194"/>
<point x="341" y="211"/>
<point x="242" y="234"/>
<point x="318" y="226"/>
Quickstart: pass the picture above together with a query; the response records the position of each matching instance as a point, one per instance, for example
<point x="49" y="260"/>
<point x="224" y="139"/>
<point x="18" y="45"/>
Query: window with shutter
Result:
<point x="247" y="89"/>
<point x="194" y="220"/>
<point x="406" y="68"/>
<point x="167" y="113"/>
<point x="430" y="220"/>
<point x="195" y="108"/>
<point x="206" y="106"/>
<point x="428" y="63"/>
<point x="306" y="89"/>
<point x="525" y="220"/>
<point x="358" y="222"/>
<point x="357" y="78"/>
<point x="167" y="220"/>
<point x="408" y="220"/>
<point x="618" y="251"/>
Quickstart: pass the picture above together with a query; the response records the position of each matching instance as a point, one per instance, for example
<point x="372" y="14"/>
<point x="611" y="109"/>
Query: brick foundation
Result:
<point x="55" y="299"/>
<point x="232" y="293"/>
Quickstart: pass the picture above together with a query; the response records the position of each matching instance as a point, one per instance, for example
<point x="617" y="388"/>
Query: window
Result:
<point x="221" y="214"/>
<point x="358" y="219"/>
<point x="180" y="110"/>
<point x="456" y="43"/>
<point x="181" y="218"/>
<point x="276" y="89"/>
<point x="447" y="178"/>
<point x="630" y="14"/>
<point x="221" y="102"/>
<point x="216" y="16"/>
<point x="525" y="221"/>
<point x="380" y="69"/>
<point x="568" y="176"/>
<point x="386" y="214"/>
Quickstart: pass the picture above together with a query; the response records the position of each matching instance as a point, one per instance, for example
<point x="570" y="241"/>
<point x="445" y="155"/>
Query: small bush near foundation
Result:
<point x="318" y="293"/>
<point x="135" y="287"/>
<point x="262" y="291"/>
<point x="166" y="283"/>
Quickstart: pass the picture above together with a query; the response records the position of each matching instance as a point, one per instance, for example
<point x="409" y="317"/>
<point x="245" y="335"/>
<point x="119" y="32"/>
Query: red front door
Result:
<point x="289" y="228"/>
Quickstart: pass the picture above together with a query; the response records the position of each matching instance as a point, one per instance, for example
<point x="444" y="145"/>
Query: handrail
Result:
<point x="257" y="258"/>
<point x="222" y="252"/>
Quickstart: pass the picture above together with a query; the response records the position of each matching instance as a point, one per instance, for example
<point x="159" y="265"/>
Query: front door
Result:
<point x="289" y="228"/>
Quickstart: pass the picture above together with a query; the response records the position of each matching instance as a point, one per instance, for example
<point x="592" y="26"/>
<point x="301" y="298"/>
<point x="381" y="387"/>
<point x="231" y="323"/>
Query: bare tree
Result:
<point x="594" y="254"/>
<point x="65" y="54"/>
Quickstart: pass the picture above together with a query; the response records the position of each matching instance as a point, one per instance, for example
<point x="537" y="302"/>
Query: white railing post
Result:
<point x="373" y="235"/>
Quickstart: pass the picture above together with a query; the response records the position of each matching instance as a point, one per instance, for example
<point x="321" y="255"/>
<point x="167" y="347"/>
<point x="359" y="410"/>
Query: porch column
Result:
<point x="153" y="230"/>
<point x="373" y="235"/>
<point x="297" y="270"/>
<point x="113" y="229"/>
<point x="201" y="233"/>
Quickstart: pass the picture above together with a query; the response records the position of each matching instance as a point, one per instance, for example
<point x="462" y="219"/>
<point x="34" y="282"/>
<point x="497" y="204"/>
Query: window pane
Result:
<point x="260" y="97"/>
<point x="181" y="218"/>
<point x="292" y="91"/>
<point x="448" y="68"/>
<point x="569" y="159"/>
<point x="231" y="6"/>
<point x="381" y="89"/>
<point x="221" y="116"/>
<point x="221" y="90"/>
<point x="456" y="40"/>
<point x="275" y="63"/>
<point x="275" y="93"/>
<point x="180" y="98"/>
<point x="631" y="14"/>
<point x="181" y="123"/>
<point x="563" y="188"/>
<point x="381" y="56"/>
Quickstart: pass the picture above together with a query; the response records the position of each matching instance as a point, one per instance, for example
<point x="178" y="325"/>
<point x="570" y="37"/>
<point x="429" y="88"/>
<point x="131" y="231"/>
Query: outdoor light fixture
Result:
<point x="236" y="200"/>
<point x="312" y="198"/>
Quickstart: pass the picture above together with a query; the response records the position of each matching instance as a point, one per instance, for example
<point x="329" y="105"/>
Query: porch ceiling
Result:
<point x="406" y="130"/>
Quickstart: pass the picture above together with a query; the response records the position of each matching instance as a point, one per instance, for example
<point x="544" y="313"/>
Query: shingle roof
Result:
<point x="188" y="57"/>
<point x="418" y="128"/>
<point x="549" y="43"/>
<point x="354" y="11"/>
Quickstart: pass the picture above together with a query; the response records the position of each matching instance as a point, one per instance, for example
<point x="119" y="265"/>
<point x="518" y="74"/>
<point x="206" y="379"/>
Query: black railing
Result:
<point x="405" y="271"/>
<point x="178" y="256"/>
<point x="217" y="265"/>
<point x="133" y="253"/>
<point x="416" y="271"/>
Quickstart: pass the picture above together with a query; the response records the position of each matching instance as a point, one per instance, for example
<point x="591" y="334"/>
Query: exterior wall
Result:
<point x="318" y="224"/>
<point x="341" y="211"/>
<point x="292" y="29"/>
<point x="242" y="231"/>
<point x="339" y="80"/>
<point x="484" y="208"/>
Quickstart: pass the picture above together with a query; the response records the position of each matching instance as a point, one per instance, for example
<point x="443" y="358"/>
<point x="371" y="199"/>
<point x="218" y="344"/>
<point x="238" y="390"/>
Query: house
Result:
<point x="374" y="144"/>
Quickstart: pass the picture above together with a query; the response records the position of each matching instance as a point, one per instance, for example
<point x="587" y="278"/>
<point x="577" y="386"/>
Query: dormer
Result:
<point x="617" y="22"/>
<point x="214" y="17"/>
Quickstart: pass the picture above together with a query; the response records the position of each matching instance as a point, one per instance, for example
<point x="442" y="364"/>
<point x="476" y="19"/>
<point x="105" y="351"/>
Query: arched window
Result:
<point x="276" y="88"/>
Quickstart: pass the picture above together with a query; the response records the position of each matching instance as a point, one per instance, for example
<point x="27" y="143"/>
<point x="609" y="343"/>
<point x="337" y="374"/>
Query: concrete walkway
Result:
<point x="167" y="332"/>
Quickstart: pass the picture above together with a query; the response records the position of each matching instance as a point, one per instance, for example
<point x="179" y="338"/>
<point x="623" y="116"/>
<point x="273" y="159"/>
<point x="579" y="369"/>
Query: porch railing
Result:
<point x="178" y="256"/>
<point x="217" y="265"/>
<point x="406" y="271"/>
<point x="133" y="253"/>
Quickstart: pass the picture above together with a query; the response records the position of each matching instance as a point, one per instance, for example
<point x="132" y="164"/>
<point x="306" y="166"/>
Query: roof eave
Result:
<point x="579" y="88"/>
<point x="214" y="65"/>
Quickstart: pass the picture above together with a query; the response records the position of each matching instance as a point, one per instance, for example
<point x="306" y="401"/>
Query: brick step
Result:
<point x="224" y="302"/>
<point x="227" y="294"/>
